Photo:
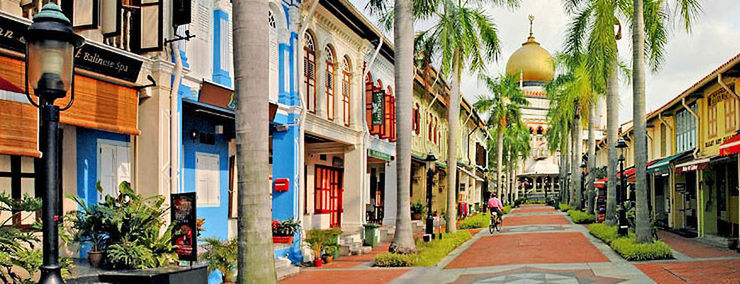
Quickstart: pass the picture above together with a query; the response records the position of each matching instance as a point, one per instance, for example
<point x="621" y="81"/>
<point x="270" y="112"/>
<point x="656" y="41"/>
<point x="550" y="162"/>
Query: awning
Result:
<point x="629" y="173"/>
<point x="731" y="146"/>
<point x="694" y="165"/>
<point x="469" y="173"/>
<point x="665" y="163"/>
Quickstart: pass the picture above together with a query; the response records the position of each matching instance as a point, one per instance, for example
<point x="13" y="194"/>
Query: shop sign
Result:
<point x="184" y="225"/>
<point x="92" y="58"/>
<point x="378" y="102"/>
<point x="89" y="57"/>
<point x="378" y="155"/>
<point x="216" y="95"/>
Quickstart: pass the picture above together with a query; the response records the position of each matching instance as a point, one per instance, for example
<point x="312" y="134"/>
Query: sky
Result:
<point x="714" y="39"/>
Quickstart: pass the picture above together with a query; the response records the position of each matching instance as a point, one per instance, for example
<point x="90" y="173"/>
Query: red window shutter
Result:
<point x="385" y="132"/>
<point x="369" y="105"/>
<point x="393" y="118"/>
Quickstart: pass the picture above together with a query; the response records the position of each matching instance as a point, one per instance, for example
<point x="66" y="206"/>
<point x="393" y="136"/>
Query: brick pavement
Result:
<point x="707" y="271"/>
<point x="349" y="261"/>
<point x="530" y="248"/>
<point x="514" y="220"/>
<point x="534" y="210"/>
<point x="692" y="248"/>
<point x="370" y="275"/>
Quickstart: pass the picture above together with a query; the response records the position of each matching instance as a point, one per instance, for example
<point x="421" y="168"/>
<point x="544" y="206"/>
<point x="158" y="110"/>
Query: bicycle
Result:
<point x="496" y="222"/>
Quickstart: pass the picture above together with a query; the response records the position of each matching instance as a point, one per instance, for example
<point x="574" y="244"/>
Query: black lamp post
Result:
<point x="50" y="47"/>
<point x="622" y="225"/>
<point x="431" y="162"/>
<point x="583" y="177"/>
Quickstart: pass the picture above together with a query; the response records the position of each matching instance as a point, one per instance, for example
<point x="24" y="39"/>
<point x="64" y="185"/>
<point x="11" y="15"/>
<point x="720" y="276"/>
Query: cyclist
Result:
<point x="494" y="204"/>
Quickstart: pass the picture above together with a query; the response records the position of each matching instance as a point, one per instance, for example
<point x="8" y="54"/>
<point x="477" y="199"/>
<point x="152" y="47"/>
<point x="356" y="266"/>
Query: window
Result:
<point x="416" y="120"/>
<point x="663" y="142"/>
<point x="685" y="130"/>
<point x="330" y="61"/>
<point x="207" y="179"/>
<point x="328" y="193"/>
<point x="233" y="189"/>
<point x="309" y="72"/>
<point x="17" y="177"/>
<point x="346" y="90"/>
<point x="712" y="117"/>
<point x="429" y="127"/>
<point x="113" y="167"/>
<point x="436" y="133"/>
<point x="273" y="75"/>
<point x="731" y="114"/>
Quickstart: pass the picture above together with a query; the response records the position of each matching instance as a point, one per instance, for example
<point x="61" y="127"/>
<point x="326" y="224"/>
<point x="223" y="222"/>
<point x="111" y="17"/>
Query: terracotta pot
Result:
<point x="318" y="262"/>
<point x="282" y="240"/>
<point x="327" y="258"/>
<point x="95" y="258"/>
<point x="415" y="216"/>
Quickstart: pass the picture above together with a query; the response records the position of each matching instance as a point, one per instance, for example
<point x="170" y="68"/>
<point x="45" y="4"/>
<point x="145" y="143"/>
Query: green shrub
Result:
<point x="603" y="232"/>
<point x="429" y="253"/>
<point x="475" y="221"/>
<point x="627" y="248"/>
<point x="564" y="207"/>
<point x="506" y="209"/>
<point x="579" y="217"/>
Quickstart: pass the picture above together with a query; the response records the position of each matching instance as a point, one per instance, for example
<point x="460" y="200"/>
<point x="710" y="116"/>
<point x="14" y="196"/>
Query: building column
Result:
<point x="389" y="204"/>
<point x="353" y="202"/>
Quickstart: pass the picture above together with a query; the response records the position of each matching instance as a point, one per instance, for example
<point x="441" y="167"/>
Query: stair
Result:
<point x="417" y="226"/>
<point x="284" y="268"/>
<point x="387" y="233"/>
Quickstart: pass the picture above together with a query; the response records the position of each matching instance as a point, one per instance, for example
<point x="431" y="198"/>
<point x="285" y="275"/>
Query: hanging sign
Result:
<point x="185" y="228"/>
<point x="378" y="102"/>
<point x="12" y="33"/>
<point x="106" y="62"/>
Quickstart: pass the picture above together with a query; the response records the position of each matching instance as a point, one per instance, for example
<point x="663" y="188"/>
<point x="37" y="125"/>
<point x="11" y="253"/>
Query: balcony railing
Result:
<point x="122" y="39"/>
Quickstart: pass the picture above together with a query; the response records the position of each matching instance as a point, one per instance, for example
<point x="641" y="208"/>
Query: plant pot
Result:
<point x="732" y="243"/>
<point x="415" y="216"/>
<point x="95" y="258"/>
<point x="318" y="262"/>
<point x="282" y="239"/>
<point x="327" y="258"/>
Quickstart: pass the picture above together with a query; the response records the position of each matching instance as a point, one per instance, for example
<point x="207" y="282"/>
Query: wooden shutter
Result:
<point x="181" y="12"/>
<point x="108" y="171"/>
<point x="110" y="17"/>
<point x="123" y="166"/>
<point x="393" y="119"/>
<point x="146" y="33"/>
<point x="369" y="103"/>
<point x="82" y="13"/>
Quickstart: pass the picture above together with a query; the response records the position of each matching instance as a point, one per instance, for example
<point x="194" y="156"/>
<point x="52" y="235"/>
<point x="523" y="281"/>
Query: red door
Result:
<point x="328" y="194"/>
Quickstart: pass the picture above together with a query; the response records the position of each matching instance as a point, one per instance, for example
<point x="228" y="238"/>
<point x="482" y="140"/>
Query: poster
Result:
<point x="377" y="113"/>
<point x="184" y="229"/>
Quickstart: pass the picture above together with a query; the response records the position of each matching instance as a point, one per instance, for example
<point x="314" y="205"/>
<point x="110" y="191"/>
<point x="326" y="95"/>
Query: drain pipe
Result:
<point x="727" y="88"/>
<point x="174" y="122"/>
<point x="696" y="149"/>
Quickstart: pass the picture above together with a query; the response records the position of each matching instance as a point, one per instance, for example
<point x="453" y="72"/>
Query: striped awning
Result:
<point x="731" y="146"/>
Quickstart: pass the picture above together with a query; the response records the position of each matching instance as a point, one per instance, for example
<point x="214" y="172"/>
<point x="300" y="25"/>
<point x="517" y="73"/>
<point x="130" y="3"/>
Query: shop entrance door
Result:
<point x="329" y="189"/>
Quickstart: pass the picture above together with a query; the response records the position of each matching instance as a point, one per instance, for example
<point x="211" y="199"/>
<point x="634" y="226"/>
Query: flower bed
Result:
<point x="429" y="253"/>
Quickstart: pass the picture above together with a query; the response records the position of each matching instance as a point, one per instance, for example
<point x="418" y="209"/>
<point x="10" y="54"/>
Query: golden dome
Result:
<point x="532" y="60"/>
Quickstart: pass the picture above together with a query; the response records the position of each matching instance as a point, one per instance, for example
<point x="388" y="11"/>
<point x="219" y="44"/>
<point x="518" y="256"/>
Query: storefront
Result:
<point x="661" y="179"/>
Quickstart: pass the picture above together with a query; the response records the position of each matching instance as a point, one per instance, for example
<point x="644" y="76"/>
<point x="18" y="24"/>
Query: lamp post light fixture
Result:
<point x="431" y="162"/>
<point x="622" y="225"/>
<point x="50" y="47"/>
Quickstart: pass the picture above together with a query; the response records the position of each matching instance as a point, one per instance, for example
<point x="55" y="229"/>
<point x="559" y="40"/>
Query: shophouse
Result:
<point x="120" y="109"/>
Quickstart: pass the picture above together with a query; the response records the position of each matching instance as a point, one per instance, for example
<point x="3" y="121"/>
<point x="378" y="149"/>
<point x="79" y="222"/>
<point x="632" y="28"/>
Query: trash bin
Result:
<point x="371" y="234"/>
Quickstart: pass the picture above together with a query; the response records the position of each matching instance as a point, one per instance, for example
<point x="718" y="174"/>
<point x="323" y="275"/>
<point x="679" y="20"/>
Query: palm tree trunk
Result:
<point x="591" y="194"/>
<point x="573" y="165"/>
<point x="563" y="170"/>
<point x="643" y="224"/>
<point x="403" y="239"/>
<point x="499" y="160"/>
<point x="577" y="173"/>
<point x="612" y="125"/>
<point x="566" y="188"/>
<point x="255" y="262"/>
<point x="453" y="116"/>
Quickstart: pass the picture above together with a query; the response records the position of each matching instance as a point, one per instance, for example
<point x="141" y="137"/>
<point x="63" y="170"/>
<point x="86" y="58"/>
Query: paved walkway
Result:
<point x="540" y="245"/>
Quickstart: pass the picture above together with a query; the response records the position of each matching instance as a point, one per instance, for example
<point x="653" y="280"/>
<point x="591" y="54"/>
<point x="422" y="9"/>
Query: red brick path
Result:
<point x="534" y="210"/>
<point x="711" y="271"/>
<point x="371" y="275"/>
<point x="535" y="220"/>
<point x="529" y="249"/>
<point x="348" y="261"/>
<point x="692" y="248"/>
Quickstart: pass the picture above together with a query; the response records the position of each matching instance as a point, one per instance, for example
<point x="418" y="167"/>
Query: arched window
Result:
<point x="346" y="89"/>
<point x="309" y="71"/>
<point x="429" y="127"/>
<point x="273" y="74"/>
<point x="539" y="130"/>
<point x="330" y="72"/>
<point x="436" y="133"/>
<point x="531" y="130"/>
<point x="416" y="120"/>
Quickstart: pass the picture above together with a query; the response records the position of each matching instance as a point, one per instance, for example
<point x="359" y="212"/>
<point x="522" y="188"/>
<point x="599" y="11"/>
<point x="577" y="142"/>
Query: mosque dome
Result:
<point x="532" y="60"/>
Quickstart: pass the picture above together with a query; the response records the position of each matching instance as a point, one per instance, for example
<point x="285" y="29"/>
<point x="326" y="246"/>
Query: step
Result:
<point x="287" y="271"/>
<point x="281" y="262"/>
<point x="360" y="250"/>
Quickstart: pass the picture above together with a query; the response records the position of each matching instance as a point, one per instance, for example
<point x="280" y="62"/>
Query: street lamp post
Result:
<point x="622" y="219"/>
<point x="50" y="49"/>
<point x="431" y="161"/>
<point x="583" y="177"/>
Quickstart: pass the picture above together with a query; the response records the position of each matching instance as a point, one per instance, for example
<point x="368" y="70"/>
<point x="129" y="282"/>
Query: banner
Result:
<point x="185" y="228"/>
<point x="378" y="102"/>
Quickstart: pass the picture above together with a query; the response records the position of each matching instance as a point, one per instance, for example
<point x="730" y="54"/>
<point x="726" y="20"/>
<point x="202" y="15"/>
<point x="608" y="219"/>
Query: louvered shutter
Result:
<point x="123" y="166"/>
<point x="273" y="58"/>
<point x="107" y="160"/>
<point x="82" y="13"/>
<point x="110" y="17"/>
<point x="369" y="105"/>
<point x="147" y="26"/>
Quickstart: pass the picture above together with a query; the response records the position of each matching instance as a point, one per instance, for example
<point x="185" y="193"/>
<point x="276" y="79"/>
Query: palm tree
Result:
<point x="649" y="37"/>
<point x="503" y="105"/>
<point x="590" y="178"/>
<point x="517" y="144"/>
<point x="464" y="37"/>
<point x="255" y="262"/>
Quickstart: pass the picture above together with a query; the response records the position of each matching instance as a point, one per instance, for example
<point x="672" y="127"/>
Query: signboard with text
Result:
<point x="378" y="102"/>
<point x="184" y="225"/>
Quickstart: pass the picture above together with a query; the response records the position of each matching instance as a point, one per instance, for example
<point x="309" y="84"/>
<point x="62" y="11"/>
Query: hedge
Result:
<point x="627" y="248"/>
<point x="579" y="217"/>
<point x="429" y="253"/>
<point x="564" y="207"/>
<point x="475" y="221"/>
<point x="506" y="209"/>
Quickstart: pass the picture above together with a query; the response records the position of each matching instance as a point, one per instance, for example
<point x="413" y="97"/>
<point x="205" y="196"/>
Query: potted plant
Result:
<point x="220" y="256"/>
<point x="328" y="255"/>
<point x="417" y="209"/>
<point x="316" y="238"/>
<point x="282" y="232"/>
<point x="86" y="225"/>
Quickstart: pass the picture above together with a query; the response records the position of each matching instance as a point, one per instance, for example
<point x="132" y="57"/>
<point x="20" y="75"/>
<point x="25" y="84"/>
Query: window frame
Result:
<point x="346" y="92"/>
<point x="309" y="82"/>
<point x="731" y="118"/>
<point x="209" y="203"/>
<point x="330" y="82"/>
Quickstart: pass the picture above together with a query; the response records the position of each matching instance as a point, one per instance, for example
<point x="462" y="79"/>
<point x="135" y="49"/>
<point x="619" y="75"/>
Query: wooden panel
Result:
<point x="18" y="129"/>
<point x="98" y="105"/>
